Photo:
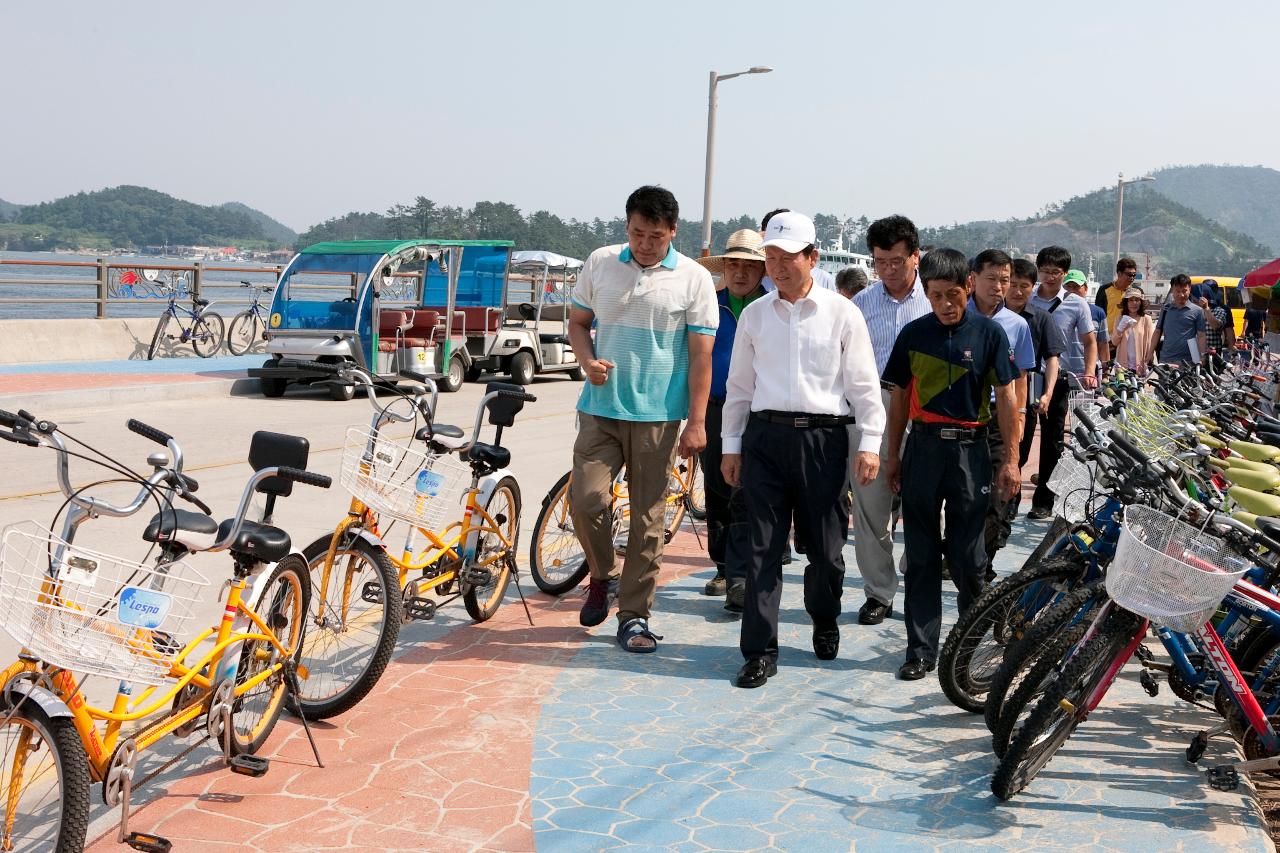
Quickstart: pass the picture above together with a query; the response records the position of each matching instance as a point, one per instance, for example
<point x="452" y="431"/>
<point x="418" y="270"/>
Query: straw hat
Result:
<point x="745" y="244"/>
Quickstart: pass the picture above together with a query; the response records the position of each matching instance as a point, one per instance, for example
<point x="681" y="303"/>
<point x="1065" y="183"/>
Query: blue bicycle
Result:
<point x="204" y="332"/>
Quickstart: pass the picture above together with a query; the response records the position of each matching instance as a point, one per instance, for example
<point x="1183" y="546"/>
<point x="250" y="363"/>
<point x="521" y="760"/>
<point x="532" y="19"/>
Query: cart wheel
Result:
<point x="474" y="373"/>
<point x="454" y="377"/>
<point x="522" y="368"/>
<point x="272" y="387"/>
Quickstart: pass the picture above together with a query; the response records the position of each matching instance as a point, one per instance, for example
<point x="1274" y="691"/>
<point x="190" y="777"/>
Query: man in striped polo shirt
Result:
<point x="648" y="368"/>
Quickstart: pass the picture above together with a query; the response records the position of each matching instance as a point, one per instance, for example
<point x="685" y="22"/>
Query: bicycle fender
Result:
<point x="52" y="706"/>
<point x="488" y="484"/>
<point x="368" y="536"/>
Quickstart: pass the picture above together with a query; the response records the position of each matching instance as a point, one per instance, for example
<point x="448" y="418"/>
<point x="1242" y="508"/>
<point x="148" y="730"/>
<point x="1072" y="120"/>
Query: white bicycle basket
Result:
<point x="1169" y="571"/>
<point x="394" y="479"/>
<point x="93" y="613"/>
<point x="1072" y="485"/>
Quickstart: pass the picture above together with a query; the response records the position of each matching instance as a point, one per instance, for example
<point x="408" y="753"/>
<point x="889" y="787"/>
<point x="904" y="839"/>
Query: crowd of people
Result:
<point x="821" y="404"/>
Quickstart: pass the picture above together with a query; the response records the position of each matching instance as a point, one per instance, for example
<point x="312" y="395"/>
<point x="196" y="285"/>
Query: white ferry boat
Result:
<point x="837" y="257"/>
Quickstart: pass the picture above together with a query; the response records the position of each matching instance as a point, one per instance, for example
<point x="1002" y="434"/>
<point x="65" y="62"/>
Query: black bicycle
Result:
<point x="250" y="325"/>
<point x="204" y="334"/>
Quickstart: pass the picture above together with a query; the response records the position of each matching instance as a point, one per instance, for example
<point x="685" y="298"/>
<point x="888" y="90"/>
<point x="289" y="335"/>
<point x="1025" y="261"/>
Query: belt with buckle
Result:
<point x="803" y="420"/>
<point x="948" y="432"/>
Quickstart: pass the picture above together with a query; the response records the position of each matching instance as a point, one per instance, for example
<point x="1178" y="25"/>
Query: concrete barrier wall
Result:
<point x="25" y="341"/>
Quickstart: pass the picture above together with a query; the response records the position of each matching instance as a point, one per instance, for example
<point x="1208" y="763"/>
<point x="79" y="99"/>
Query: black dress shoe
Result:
<point x="873" y="612"/>
<point x="755" y="672"/>
<point x="826" y="642"/>
<point x="1040" y="513"/>
<point x="914" y="670"/>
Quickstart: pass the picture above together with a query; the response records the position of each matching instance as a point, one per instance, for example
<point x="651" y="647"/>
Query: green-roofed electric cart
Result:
<point x="387" y="306"/>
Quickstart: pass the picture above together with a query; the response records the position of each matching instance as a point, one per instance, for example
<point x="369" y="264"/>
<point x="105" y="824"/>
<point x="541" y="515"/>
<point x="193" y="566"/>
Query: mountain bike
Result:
<point x="556" y="559"/>
<point x="204" y="331"/>
<point x="250" y="325"/>
<point x="77" y="613"/>
<point x="460" y="506"/>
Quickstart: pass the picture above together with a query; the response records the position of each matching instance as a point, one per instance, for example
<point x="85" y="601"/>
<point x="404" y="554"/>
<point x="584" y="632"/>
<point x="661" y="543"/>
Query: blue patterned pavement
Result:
<point x="661" y="752"/>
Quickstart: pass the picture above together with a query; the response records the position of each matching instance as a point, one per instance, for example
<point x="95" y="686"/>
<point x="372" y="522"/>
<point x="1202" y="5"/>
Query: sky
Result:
<point x="945" y="112"/>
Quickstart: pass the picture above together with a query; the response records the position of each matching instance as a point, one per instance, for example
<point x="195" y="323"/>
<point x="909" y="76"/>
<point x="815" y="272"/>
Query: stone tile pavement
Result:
<point x="510" y="737"/>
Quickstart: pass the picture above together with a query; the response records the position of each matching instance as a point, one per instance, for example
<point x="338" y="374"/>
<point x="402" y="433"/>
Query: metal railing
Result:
<point x="132" y="282"/>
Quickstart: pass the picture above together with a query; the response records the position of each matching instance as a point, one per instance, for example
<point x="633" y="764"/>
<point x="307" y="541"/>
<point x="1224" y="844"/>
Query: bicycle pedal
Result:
<point x="1195" y="750"/>
<point x="249" y="765"/>
<point x="417" y="608"/>
<point x="478" y="577"/>
<point x="1223" y="778"/>
<point x="148" y="842"/>
<point x="1149" y="683"/>
<point x="371" y="592"/>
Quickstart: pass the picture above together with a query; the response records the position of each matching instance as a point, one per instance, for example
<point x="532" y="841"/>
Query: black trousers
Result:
<point x="728" y="534"/>
<point x="1052" y="426"/>
<point x="951" y="477"/>
<point x="785" y="471"/>
<point x="997" y="526"/>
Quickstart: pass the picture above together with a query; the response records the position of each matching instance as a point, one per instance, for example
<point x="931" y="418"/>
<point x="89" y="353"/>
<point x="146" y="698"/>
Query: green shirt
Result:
<point x="737" y="304"/>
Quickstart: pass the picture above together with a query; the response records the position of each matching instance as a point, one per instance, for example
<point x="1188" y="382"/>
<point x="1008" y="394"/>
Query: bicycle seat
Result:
<point x="263" y="541"/>
<point x="1269" y="526"/>
<point x="447" y="436"/>
<point x="493" y="457"/>
<point x="192" y="530"/>
<point x="1256" y="452"/>
<point x="198" y="302"/>
<point x="1254" y="478"/>
<point x="1259" y="503"/>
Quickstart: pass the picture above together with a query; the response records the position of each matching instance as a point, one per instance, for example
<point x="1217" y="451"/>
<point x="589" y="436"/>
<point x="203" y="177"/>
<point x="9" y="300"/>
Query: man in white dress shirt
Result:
<point x="802" y="370"/>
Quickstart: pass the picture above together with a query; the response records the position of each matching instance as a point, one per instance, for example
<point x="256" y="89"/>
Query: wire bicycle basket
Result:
<point x="1072" y="486"/>
<point x="393" y="479"/>
<point x="1169" y="571"/>
<point x="92" y="613"/>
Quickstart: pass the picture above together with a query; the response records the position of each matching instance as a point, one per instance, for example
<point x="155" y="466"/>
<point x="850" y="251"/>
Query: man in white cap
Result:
<point x="740" y="268"/>
<point x="802" y="370"/>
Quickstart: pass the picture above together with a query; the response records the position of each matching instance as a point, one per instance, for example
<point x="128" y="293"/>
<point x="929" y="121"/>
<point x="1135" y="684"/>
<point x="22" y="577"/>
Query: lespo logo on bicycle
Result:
<point x="143" y="608"/>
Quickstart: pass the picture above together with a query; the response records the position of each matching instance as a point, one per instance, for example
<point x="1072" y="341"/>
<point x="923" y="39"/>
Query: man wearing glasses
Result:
<point x="1111" y="297"/>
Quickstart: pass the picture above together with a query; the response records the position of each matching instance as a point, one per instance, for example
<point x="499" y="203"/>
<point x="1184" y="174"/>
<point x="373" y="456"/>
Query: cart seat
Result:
<point x="392" y="321"/>
<point x="267" y="543"/>
<point x="386" y="344"/>
<point x="475" y="319"/>
<point x="191" y="529"/>
<point x="548" y="338"/>
<point x="447" y="436"/>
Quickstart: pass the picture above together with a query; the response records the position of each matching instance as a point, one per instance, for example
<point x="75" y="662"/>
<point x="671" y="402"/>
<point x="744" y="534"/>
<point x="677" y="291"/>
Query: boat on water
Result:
<point x="837" y="257"/>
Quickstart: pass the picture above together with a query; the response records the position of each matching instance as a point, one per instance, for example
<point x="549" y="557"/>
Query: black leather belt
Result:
<point x="948" y="432"/>
<point x="803" y="420"/>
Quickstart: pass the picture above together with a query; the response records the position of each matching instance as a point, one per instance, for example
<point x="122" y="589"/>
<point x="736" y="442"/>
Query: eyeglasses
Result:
<point x="1129" y="273"/>
<point x="889" y="263"/>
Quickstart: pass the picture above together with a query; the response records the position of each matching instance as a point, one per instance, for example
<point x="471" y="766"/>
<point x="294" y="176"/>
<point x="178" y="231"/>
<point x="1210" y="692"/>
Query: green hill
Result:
<point x="136" y="216"/>
<point x="273" y="229"/>
<point x="7" y="210"/>
<point x="1242" y="198"/>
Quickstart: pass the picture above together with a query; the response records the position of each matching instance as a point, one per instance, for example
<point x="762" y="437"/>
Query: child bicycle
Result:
<point x="461" y="508"/>
<point x="204" y="334"/>
<point x="77" y="612"/>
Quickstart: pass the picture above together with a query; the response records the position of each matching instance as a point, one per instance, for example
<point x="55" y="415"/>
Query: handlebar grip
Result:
<point x="519" y="395"/>
<point x="188" y="483"/>
<point x="19" y="438"/>
<point x="1122" y="441"/>
<point x="1085" y="420"/>
<point x="149" y="432"/>
<point x="8" y="419"/>
<point x="1083" y="436"/>
<point x="414" y="375"/>
<point x="309" y="478"/>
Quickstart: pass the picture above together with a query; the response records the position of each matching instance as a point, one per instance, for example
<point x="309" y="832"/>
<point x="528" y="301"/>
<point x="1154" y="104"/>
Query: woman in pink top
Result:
<point x="1133" y="332"/>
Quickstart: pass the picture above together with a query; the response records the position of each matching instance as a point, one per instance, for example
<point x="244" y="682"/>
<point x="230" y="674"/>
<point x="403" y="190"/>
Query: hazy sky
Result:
<point x="943" y="111"/>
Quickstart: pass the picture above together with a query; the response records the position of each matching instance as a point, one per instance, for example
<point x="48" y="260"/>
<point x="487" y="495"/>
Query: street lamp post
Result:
<point x="711" y="144"/>
<point x="1120" y="184"/>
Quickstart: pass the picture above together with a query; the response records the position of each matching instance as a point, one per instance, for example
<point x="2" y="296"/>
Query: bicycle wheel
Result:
<point x="156" y="335"/>
<point x="283" y="606"/>
<point x="1059" y="711"/>
<point x="1029" y="668"/>
<point x="1057" y="529"/>
<point x="556" y="559"/>
<point x="243" y="332"/>
<point x="503" y="506"/>
<point x="975" y="645"/>
<point x="206" y="334"/>
<point x="674" y="504"/>
<point x="695" y="500"/>
<point x="44" y="780"/>
<point x="347" y="646"/>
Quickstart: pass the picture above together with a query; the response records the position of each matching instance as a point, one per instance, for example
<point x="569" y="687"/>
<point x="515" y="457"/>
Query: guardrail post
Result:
<point x="196" y="279"/>
<point x="102" y="289"/>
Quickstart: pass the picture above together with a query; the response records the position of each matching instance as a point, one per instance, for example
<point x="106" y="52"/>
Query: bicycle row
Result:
<point x="205" y="330"/>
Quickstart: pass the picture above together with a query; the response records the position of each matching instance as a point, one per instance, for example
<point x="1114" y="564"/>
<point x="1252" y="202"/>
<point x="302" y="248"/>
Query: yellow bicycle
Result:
<point x="77" y="613"/>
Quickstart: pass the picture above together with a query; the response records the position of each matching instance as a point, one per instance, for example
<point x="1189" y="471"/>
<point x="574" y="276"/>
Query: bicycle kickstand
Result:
<point x="515" y="575"/>
<point x="291" y="681"/>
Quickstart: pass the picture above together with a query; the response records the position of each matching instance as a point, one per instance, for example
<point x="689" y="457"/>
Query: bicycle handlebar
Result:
<point x="365" y="379"/>
<point x="158" y="436"/>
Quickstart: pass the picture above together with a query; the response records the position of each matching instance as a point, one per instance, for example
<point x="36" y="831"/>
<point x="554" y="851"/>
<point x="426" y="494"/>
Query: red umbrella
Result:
<point x="1266" y="275"/>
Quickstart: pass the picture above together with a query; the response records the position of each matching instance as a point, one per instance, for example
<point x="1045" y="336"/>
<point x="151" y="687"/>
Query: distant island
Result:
<point x="1209" y="219"/>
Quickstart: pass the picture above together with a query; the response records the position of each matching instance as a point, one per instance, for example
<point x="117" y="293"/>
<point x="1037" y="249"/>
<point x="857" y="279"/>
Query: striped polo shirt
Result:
<point x="644" y="316"/>
<point x="886" y="316"/>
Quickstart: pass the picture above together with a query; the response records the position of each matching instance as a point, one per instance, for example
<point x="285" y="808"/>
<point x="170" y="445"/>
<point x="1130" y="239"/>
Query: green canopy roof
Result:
<point x="389" y="247"/>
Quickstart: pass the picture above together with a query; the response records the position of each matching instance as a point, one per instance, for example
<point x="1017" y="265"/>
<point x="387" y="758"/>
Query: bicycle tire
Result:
<point x="337" y="683"/>
<point x="975" y="644"/>
<point x="155" y="336"/>
<point x="207" y="333"/>
<point x="557" y="561"/>
<point x="673" y="506"/>
<point x="1259" y="646"/>
<point x="1029" y="670"/>
<point x="242" y="333"/>
<point x="482" y="601"/>
<point x="64" y="829"/>
<point x="1055" y="716"/>
<point x="1057" y="529"/>
<point x="254" y="714"/>
<point x="695" y="500"/>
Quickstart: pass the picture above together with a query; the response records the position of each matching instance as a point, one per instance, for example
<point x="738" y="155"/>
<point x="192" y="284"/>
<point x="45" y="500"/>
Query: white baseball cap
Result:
<point x="791" y="232"/>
